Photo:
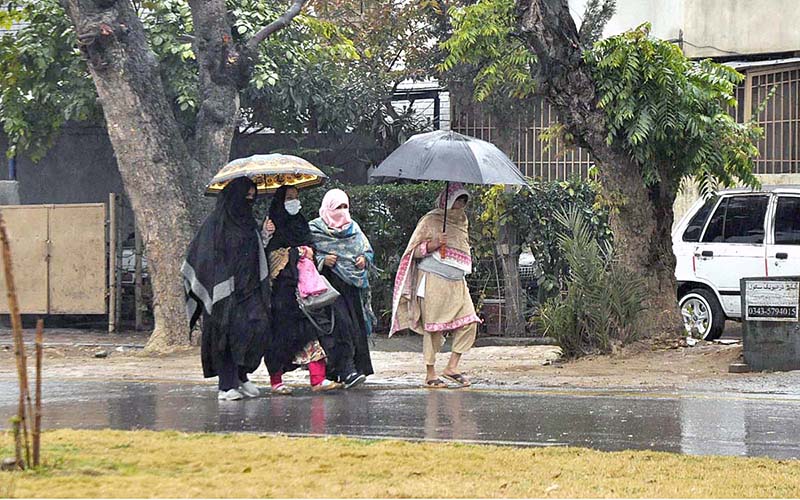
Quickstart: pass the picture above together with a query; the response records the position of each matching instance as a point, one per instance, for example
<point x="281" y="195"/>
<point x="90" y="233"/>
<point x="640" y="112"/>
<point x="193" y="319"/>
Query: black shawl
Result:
<point x="290" y="230"/>
<point x="225" y="278"/>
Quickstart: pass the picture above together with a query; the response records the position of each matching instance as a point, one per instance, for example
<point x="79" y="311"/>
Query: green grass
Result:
<point x="173" y="464"/>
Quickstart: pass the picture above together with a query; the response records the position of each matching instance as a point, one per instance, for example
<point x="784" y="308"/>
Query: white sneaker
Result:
<point x="230" y="395"/>
<point x="249" y="389"/>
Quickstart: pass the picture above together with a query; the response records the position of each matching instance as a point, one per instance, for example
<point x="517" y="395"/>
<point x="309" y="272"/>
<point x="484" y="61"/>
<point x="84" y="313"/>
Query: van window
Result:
<point x="787" y="221"/>
<point x="738" y="219"/>
<point x="698" y="222"/>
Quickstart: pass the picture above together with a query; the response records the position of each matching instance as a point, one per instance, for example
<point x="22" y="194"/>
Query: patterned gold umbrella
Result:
<point x="269" y="172"/>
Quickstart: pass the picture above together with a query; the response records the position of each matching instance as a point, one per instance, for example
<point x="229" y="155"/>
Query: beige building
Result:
<point x="712" y="28"/>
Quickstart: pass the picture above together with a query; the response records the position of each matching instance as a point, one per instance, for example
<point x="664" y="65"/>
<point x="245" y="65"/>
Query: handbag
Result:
<point x="315" y="302"/>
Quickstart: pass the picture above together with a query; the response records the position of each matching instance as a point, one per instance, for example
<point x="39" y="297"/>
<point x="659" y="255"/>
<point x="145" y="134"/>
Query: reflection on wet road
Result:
<point x="688" y="423"/>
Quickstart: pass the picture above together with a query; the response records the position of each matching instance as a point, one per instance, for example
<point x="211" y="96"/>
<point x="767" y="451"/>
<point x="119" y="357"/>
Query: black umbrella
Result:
<point x="449" y="156"/>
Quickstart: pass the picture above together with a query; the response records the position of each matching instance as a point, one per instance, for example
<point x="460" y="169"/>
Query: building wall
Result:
<point x="665" y="16"/>
<point x="711" y="28"/>
<point x="80" y="168"/>
<point x="740" y="27"/>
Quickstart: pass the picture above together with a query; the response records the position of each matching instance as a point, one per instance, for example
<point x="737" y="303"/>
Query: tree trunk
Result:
<point x="508" y="248"/>
<point x="641" y="218"/>
<point x="641" y="221"/>
<point x="164" y="182"/>
<point x="221" y="69"/>
<point x="155" y="165"/>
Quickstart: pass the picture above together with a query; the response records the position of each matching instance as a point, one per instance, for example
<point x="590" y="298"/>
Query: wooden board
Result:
<point x="77" y="259"/>
<point x="27" y="233"/>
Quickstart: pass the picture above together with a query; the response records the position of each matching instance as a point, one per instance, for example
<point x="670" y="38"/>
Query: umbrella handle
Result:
<point x="443" y="248"/>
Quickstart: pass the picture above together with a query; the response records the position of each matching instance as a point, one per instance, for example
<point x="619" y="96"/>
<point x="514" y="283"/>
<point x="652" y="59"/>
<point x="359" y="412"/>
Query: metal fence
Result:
<point x="536" y="158"/>
<point x="780" y="148"/>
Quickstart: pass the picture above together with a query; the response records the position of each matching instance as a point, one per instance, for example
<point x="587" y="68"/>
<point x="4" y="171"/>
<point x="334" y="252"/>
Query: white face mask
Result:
<point x="292" y="206"/>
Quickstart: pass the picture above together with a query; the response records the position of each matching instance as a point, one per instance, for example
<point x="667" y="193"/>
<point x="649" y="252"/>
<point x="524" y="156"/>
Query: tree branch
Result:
<point x="276" y="25"/>
<point x="595" y="18"/>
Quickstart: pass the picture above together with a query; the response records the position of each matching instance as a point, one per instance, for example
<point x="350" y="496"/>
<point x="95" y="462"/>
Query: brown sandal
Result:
<point x="436" y="383"/>
<point x="458" y="378"/>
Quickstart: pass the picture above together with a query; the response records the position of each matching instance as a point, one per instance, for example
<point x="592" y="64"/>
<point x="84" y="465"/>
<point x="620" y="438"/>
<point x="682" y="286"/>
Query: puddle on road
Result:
<point x="694" y="425"/>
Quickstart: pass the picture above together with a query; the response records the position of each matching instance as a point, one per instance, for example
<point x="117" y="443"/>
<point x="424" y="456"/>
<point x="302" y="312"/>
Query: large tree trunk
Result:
<point x="221" y="70"/>
<point x="154" y="163"/>
<point x="641" y="217"/>
<point x="508" y="250"/>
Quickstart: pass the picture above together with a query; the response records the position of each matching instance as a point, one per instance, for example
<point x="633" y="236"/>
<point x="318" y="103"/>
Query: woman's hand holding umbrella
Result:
<point x="269" y="226"/>
<point x="438" y="242"/>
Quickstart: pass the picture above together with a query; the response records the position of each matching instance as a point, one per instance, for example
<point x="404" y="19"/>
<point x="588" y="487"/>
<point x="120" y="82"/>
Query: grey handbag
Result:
<point x="315" y="302"/>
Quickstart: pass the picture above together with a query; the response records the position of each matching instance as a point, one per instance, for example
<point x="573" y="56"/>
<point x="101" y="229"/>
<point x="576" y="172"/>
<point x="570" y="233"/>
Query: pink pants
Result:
<point x="316" y="372"/>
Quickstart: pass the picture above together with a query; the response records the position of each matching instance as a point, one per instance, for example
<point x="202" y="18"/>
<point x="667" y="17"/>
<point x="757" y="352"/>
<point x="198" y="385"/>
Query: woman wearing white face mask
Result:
<point x="293" y="341"/>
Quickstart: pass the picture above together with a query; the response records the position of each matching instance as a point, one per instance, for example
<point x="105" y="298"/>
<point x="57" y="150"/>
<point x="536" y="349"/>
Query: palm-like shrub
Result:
<point x="602" y="302"/>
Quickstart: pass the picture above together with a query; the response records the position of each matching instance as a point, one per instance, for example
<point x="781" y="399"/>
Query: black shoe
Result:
<point x="354" y="379"/>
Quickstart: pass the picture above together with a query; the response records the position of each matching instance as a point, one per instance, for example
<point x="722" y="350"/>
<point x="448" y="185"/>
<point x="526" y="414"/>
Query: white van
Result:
<point x="735" y="234"/>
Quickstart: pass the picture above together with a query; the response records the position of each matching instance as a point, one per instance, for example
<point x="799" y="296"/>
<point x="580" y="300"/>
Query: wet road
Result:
<point x="726" y="424"/>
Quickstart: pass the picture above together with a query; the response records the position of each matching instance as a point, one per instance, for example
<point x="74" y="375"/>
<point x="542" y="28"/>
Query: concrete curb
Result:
<point x="514" y="341"/>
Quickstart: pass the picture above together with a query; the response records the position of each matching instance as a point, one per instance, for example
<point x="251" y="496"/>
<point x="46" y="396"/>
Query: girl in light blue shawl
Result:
<point x="343" y="256"/>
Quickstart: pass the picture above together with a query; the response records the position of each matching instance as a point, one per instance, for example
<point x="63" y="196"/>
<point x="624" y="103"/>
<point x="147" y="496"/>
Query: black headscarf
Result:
<point x="237" y="235"/>
<point x="234" y="207"/>
<point x="290" y="230"/>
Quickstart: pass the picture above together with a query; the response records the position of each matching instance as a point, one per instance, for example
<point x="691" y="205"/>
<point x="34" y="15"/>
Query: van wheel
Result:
<point x="702" y="315"/>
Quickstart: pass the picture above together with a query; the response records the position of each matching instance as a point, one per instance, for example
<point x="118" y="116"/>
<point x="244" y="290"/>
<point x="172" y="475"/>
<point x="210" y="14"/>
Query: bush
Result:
<point x="531" y="212"/>
<point x="602" y="302"/>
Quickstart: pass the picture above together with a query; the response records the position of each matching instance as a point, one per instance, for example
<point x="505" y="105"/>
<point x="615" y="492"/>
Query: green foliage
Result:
<point x="309" y="77"/>
<point x="482" y="37"/>
<point x="531" y="212"/>
<point x="395" y="43"/>
<point x="671" y="113"/>
<point x="602" y="302"/>
<point x="165" y="21"/>
<point x="595" y="17"/>
<point x="44" y="82"/>
<point x="302" y="80"/>
<point x="9" y="15"/>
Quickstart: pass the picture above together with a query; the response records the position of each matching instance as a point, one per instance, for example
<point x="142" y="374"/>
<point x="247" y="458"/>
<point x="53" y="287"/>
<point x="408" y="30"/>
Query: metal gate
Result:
<point x="59" y="258"/>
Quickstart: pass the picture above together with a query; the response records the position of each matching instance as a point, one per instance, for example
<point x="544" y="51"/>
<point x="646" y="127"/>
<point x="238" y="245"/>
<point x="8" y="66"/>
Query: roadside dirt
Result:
<point x="642" y="365"/>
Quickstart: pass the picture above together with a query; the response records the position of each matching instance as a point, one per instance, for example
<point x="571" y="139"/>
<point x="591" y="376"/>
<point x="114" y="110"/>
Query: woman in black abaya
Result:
<point x="226" y="281"/>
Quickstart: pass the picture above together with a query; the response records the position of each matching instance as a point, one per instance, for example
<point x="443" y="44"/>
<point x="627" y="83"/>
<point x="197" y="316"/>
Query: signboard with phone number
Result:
<point x="772" y="300"/>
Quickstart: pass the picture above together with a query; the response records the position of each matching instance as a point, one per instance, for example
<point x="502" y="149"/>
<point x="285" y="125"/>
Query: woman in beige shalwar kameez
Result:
<point x="430" y="290"/>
